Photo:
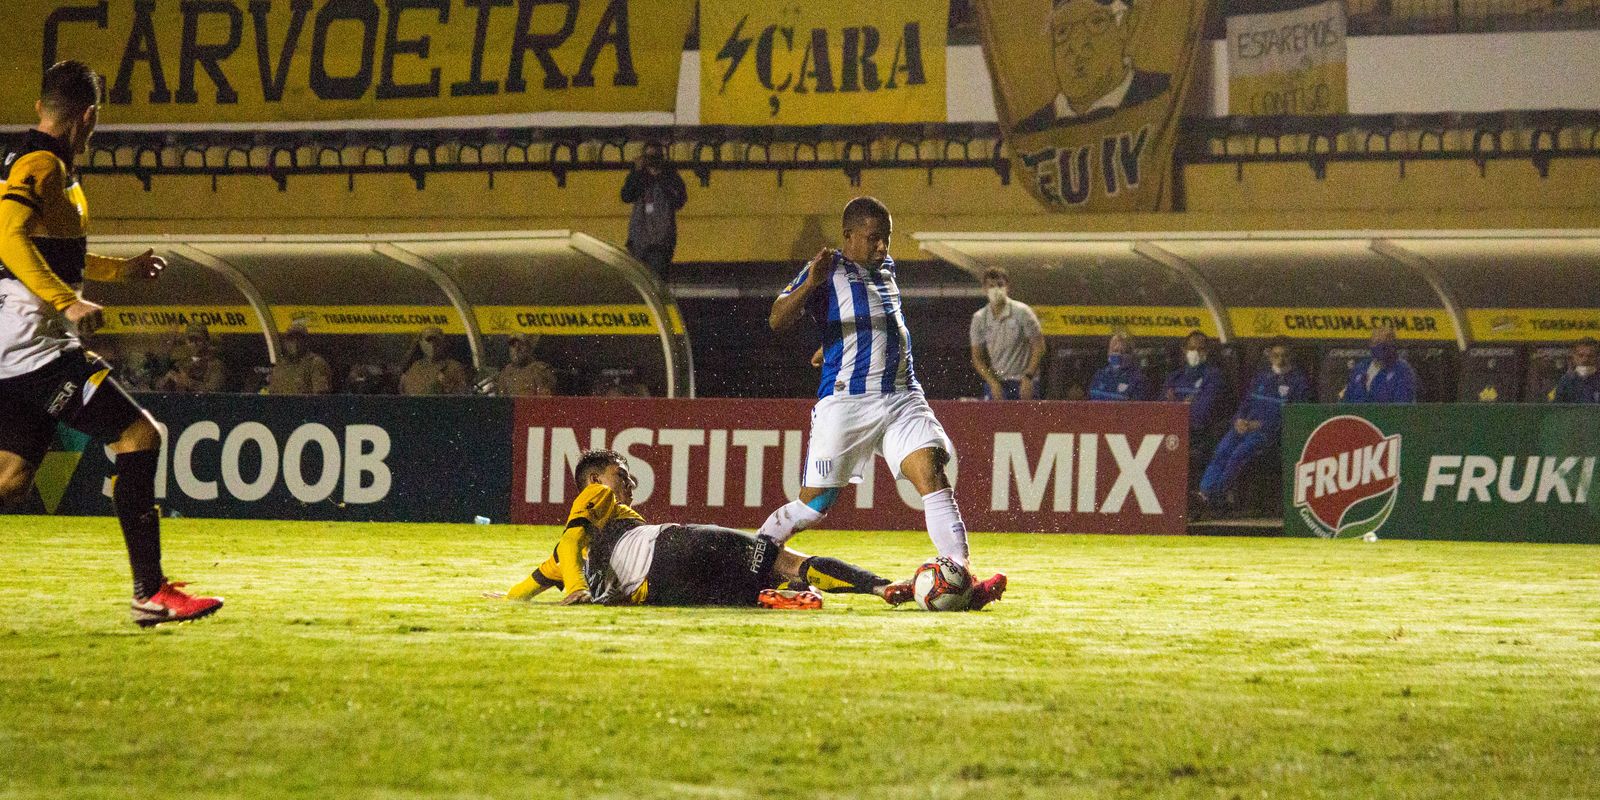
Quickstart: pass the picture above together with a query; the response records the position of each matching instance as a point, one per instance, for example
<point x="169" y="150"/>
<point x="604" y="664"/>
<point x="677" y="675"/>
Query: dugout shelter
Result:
<point x="601" y="318"/>
<point x="1483" y="316"/>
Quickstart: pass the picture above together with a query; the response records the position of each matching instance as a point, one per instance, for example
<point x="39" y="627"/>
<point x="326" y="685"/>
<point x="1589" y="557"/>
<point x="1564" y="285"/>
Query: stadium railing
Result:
<point x="1536" y="136"/>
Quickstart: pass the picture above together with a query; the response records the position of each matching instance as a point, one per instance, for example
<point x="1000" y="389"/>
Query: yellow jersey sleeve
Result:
<point x="569" y="558"/>
<point x="32" y="180"/>
<point x="106" y="269"/>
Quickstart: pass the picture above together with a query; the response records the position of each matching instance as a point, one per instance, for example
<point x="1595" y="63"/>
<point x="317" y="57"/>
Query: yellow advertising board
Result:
<point x="1340" y="323"/>
<point x="174" y="318"/>
<point x="1556" y="325"/>
<point x="822" y="62"/>
<point x="1090" y="94"/>
<point x="1288" y="63"/>
<point x="297" y="60"/>
<point x="1174" y="321"/>
<point x="595" y="320"/>
<point x="369" y="319"/>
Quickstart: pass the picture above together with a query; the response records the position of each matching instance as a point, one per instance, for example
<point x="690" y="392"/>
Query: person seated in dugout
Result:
<point x="299" y="371"/>
<point x="523" y="375"/>
<point x="610" y="555"/>
<point x="1580" y="384"/>
<point x="196" y="368"/>
<point x="1385" y="377"/>
<point x="1120" y="378"/>
<point x="1256" y="425"/>
<point x="430" y="369"/>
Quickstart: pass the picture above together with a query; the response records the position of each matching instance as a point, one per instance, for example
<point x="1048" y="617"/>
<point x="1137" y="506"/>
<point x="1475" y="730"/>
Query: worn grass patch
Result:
<point x="358" y="661"/>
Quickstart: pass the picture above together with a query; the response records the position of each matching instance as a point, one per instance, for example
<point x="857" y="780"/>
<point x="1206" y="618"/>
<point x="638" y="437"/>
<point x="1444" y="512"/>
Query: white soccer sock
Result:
<point x="790" y="518"/>
<point x="945" y="528"/>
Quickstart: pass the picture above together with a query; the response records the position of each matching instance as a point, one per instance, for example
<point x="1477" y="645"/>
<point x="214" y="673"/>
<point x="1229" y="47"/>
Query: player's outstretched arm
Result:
<point x="146" y="266"/>
<point x="791" y="304"/>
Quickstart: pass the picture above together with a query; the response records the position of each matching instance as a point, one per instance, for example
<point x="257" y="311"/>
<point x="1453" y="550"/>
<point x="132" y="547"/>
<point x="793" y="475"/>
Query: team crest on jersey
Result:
<point x="1347" y="478"/>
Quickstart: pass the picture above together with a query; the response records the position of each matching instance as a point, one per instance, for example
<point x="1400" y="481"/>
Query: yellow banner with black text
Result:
<point x="1175" y="321"/>
<point x="620" y="319"/>
<point x="1433" y="324"/>
<point x="1089" y="95"/>
<point x="298" y="60"/>
<point x="822" y="62"/>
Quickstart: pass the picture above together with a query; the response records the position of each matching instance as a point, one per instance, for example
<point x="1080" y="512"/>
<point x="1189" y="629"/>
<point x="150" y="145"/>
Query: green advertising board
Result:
<point x="1485" y="472"/>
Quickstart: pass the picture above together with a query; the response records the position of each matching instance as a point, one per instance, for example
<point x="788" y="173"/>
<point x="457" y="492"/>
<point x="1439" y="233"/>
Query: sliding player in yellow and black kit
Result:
<point x="610" y="555"/>
<point x="46" y="377"/>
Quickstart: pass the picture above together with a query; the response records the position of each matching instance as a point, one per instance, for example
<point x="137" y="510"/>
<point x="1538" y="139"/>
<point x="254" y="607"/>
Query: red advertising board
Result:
<point x="1047" y="467"/>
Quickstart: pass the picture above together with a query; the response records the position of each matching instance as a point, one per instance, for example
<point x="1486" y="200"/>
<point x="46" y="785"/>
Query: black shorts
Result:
<point x="31" y="405"/>
<point x="704" y="565"/>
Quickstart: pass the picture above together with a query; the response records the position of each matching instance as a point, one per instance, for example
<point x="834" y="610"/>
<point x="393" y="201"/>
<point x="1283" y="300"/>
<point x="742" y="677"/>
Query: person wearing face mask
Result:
<point x="195" y="366"/>
<point x="1385" y="377"/>
<point x="298" y="370"/>
<point x="1120" y="378"/>
<point x="1581" y="384"/>
<point x="1197" y="383"/>
<point x="1007" y="342"/>
<point x="430" y="370"/>
<point x="1256" y="425"/>
<point x="524" y="374"/>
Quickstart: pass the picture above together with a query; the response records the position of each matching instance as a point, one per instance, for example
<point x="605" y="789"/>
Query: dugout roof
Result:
<point x="589" y="298"/>
<point x="1461" y="286"/>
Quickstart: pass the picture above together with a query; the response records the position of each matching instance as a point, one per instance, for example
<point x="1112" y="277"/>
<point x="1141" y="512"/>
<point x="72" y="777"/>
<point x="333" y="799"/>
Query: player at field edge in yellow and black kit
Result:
<point x="46" y="376"/>
<point x="609" y="554"/>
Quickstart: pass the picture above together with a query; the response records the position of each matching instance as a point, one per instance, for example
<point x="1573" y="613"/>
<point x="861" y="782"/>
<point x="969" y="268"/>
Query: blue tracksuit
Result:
<point x="1119" y="383"/>
<point x="1199" y="386"/>
<point x="1573" y="389"/>
<point x="1395" y="383"/>
<point x="1264" y="403"/>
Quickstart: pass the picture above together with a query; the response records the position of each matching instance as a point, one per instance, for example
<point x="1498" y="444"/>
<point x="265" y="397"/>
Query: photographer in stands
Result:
<point x="656" y="192"/>
<point x="1385" y="377"/>
<point x="1580" y="384"/>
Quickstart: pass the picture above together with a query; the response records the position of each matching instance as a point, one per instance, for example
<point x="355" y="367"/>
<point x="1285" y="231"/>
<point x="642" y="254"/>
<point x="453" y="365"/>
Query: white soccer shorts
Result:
<point x="848" y="430"/>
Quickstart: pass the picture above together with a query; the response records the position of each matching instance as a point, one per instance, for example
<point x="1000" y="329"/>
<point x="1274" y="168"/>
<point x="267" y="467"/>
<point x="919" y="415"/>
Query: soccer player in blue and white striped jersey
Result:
<point x="869" y="402"/>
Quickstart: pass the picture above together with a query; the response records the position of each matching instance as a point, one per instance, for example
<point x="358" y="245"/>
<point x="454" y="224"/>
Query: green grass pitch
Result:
<point x="359" y="661"/>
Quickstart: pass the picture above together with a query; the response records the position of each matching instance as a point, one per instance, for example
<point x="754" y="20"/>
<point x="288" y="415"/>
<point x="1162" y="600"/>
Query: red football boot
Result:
<point x="788" y="600"/>
<point x="897" y="593"/>
<point x="172" y="604"/>
<point x="988" y="591"/>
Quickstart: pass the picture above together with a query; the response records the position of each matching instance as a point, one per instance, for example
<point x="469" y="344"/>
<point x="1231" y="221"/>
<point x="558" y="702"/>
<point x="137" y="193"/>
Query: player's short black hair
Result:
<point x="1202" y="334"/>
<point x="863" y="208"/>
<point x="70" y="87"/>
<point x="997" y="274"/>
<point x="592" y="462"/>
<point x="1587" y="341"/>
<point x="1281" y="341"/>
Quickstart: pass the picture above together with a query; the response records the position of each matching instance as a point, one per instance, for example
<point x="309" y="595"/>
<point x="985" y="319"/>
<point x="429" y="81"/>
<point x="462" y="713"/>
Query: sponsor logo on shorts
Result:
<point x="64" y="395"/>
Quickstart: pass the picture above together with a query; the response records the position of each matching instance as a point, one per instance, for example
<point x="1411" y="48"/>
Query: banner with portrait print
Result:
<point x="1089" y="94"/>
<point x="1288" y="63"/>
<point x="822" y="62"/>
<point x="253" y="61"/>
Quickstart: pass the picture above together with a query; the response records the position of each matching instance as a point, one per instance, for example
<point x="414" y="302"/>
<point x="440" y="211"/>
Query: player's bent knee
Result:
<point x="141" y="435"/>
<point x="15" y="478"/>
